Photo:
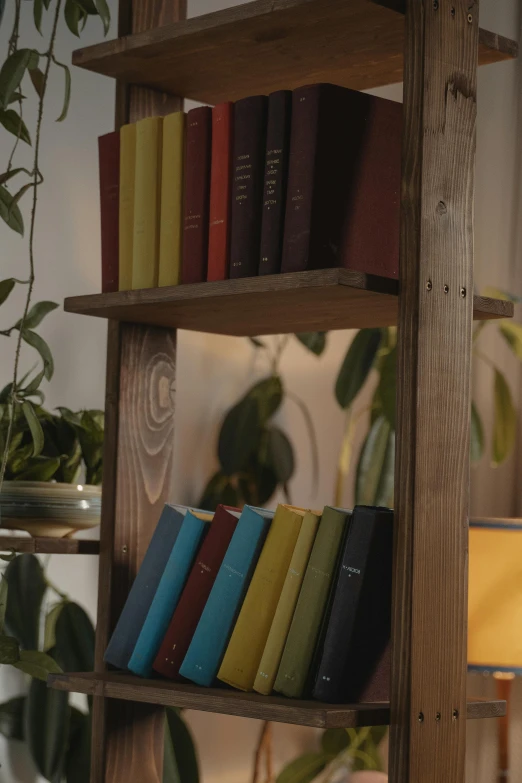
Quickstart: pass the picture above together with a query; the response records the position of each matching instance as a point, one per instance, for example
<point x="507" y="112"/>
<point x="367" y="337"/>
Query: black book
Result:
<point x="248" y="162"/>
<point x="360" y="620"/>
<point x="276" y="173"/>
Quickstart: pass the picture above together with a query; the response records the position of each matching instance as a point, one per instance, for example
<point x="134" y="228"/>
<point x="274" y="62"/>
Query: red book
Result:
<point x="196" y="195"/>
<point x="195" y="593"/>
<point x="220" y="186"/>
<point x="109" y="160"/>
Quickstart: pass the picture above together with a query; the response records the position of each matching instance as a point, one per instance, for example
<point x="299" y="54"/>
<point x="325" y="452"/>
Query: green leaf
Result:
<point x="375" y="470"/>
<point x="512" y="333"/>
<point x="280" y="454"/>
<point x="314" y="341"/>
<point x="7" y="175"/>
<point x="304" y="769"/>
<point x="35" y="427"/>
<point x="38" y="81"/>
<point x="256" y="342"/>
<point x="12" y="718"/>
<point x="37" y="14"/>
<point x="88" y="6"/>
<point x="12" y="72"/>
<point x="10" y="212"/>
<point x="257" y="483"/>
<point x="78" y="758"/>
<point x="50" y="626"/>
<point x="6" y="286"/>
<point x="387" y="393"/>
<point x="39" y="469"/>
<point x="4" y="588"/>
<point x="505" y="423"/>
<point x="13" y="123"/>
<point x="35" y="341"/>
<point x="476" y="435"/>
<point x="498" y="293"/>
<point x="357" y="365"/>
<point x="9" y="649"/>
<point x="334" y="741"/>
<point x="74" y="16"/>
<point x="67" y="92"/>
<point x="36" y="314"/>
<point x="378" y="733"/>
<point x="34" y="383"/>
<point x="105" y="14"/>
<point x="180" y="760"/>
<point x="16" y="97"/>
<point x="26" y="590"/>
<point x="46" y="729"/>
<point x="75" y="639"/>
<point x="37" y="664"/>
<point x="218" y="490"/>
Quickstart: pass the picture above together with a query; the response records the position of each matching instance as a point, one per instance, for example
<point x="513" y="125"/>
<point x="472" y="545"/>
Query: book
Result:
<point x="248" y="163"/>
<point x="245" y="648"/>
<point x="143" y="590"/>
<point x="275" y="181"/>
<point x="343" y="196"/>
<point x="196" y="195"/>
<point x="172" y="162"/>
<point x="359" y="625"/>
<point x="193" y="529"/>
<point x="220" y="190"/>
<point x="305" y="628"/>
<point x="126" y="217"/>
<point x="275" y="642"/>
<point x="210" y="639"/>
<point x="377" y="688"/>
<point x="147" y="194"/>
<point x="109" y="162"/>
<point x="195" y="594"/>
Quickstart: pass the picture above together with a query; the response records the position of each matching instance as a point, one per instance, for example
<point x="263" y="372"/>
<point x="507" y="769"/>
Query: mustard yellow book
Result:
<point x="171" y="230"/>
<point x="147" y="194"/>
<point x="126" y="228"/>
<point x="247" y="643"/>
<point x="275" y="643"/>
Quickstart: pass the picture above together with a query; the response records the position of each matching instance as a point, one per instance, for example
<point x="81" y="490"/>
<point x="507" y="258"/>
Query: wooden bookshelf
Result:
<point x="318" y="300"/>
<point x="49" y="546"/>
<point x="270" y="45"/>
<point x="245" y="705"/>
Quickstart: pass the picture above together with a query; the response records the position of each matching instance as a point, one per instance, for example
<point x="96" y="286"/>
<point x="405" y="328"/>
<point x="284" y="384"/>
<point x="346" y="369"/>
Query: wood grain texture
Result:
<point x="49" y="546"/>
<point x="246" y="705"/>
<point x="268" y="45"/>
<point x="320" y="299"/>
<point x="427" y="739"/>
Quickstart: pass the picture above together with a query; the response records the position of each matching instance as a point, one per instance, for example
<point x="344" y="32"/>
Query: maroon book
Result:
<point x="195" y="593"/>
<point x="196" y="195"/>
<point x="343" y="198"/>
<point x="109" y="162"/>
<point x="220" y="186"/>
<point x="248" y="164"/>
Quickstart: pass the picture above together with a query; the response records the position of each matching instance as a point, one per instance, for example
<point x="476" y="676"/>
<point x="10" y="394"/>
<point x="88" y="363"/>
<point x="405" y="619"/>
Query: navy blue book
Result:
<point x="143" y="590"/>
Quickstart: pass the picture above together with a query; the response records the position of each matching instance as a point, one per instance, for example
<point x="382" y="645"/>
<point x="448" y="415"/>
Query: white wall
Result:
<point x="68" y="263"/>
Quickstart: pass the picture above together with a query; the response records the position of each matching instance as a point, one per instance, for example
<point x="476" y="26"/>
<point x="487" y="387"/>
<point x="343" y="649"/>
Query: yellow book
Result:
<point x="248" y="640"/>
<point x="147" y="193"/>
<point x="171" y="199"/>
<point x="127" y="176"/>
<point x="275" y="643"/>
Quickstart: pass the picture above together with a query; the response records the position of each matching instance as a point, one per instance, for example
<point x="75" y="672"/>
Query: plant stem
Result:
<point x="264" y="745"/>
<point x="312" y="436"/>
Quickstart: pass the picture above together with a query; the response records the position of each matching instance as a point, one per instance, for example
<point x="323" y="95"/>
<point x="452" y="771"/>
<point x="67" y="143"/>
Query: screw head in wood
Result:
<point x="470" y="18"/>
<point x="429" y="285"/>
<point x="435" y="5"/>
<point x="420" y="717"/>
<point x="463" y="293"/>
<point x="438" y="717"/>
<point x="455" y="715"/>
<point x="453" y="12"/>
<point x="125" y="549"/>
<point x="446" y="288"/>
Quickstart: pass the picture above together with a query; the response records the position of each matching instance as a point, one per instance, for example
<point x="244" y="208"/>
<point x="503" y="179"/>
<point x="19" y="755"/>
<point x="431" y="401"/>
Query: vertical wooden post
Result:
<point x="127" y="738"/>
<point x="428" y="699"/>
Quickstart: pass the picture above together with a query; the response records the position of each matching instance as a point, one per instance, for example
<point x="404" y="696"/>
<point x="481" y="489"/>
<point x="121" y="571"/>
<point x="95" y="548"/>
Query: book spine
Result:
<point x="194" y="597"/>
<point x="301" y="176"/>
<point x="250" y="116"/>
<point x="126" y="217"/>
<point x="275" y="181"/>
<point x="145" y="256"/>
<point x="220" y="191"/>
<point x="171" y="199"/>
<point x="109" y="160"/>
<point x="196" y="195"/>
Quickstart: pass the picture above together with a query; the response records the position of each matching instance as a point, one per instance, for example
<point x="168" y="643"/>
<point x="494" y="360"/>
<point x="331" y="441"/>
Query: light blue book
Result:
<point x="178" y="566"/>
<point x="216" y="624"/>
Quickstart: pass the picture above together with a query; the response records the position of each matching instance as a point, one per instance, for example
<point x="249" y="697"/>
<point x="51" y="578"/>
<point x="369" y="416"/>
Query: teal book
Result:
<point x="216" y="624"/>
<point x="193" y="529"/>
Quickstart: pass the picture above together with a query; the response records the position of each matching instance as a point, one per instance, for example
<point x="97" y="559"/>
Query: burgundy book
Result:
<point x="220" y="187"/>
<point x="196" y="591"/>
<point x="343" y="198"/>
<point x="276" y="172"/>
<point x="109" y="160"/>
<point x="248" y="165"/>
<point x="196" y="195"/>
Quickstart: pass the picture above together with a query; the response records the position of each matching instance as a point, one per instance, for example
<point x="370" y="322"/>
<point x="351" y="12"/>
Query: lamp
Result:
<point x="495" y="611"/>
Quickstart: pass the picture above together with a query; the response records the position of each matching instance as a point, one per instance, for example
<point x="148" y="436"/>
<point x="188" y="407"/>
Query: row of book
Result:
<point x="293" y="181"/>
<point x="293" y="601"/>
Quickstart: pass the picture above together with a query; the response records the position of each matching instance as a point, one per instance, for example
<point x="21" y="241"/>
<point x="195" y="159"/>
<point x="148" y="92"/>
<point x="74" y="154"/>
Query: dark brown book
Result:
<point x="109" y="161"/>
<point x="276" y="174"/>
<point x="343" y="198"/>
<point x="248" y="164"/>
<point x="196" y="195"/>
<point x="378" y="686"/>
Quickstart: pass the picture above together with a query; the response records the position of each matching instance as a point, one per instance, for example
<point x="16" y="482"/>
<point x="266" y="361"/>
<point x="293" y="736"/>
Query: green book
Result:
<point x="306" y="623"/>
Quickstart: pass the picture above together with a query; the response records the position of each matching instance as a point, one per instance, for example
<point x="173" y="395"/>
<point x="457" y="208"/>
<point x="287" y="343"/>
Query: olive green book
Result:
<point x="311" y="604"/>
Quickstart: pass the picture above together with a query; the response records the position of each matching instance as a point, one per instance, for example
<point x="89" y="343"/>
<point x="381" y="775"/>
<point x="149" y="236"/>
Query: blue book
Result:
<point x="143" y="590"/>
<point x="216" y="624"/>
<point x="179" y="563"/>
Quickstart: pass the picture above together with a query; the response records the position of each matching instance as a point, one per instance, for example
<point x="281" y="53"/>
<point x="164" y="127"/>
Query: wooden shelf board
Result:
<point x="269" y="45"/>
<point x="318" y="300"/>
<point x="246" y="705"/>
<point x="49" y="546"/>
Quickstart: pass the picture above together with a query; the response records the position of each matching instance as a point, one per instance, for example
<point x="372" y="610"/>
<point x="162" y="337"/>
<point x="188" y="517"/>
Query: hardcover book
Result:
<point x="109" y="160"/>
<point x="196" y="195"/>
<point x="126" y="217"/>
<point x="147" y="193"/>
<point x="171" y="199"/>
<point x="220" y="190"/>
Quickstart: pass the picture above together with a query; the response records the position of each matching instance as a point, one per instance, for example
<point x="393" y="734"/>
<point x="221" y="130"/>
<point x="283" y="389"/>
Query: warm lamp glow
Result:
<point x="495" y="596"/>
